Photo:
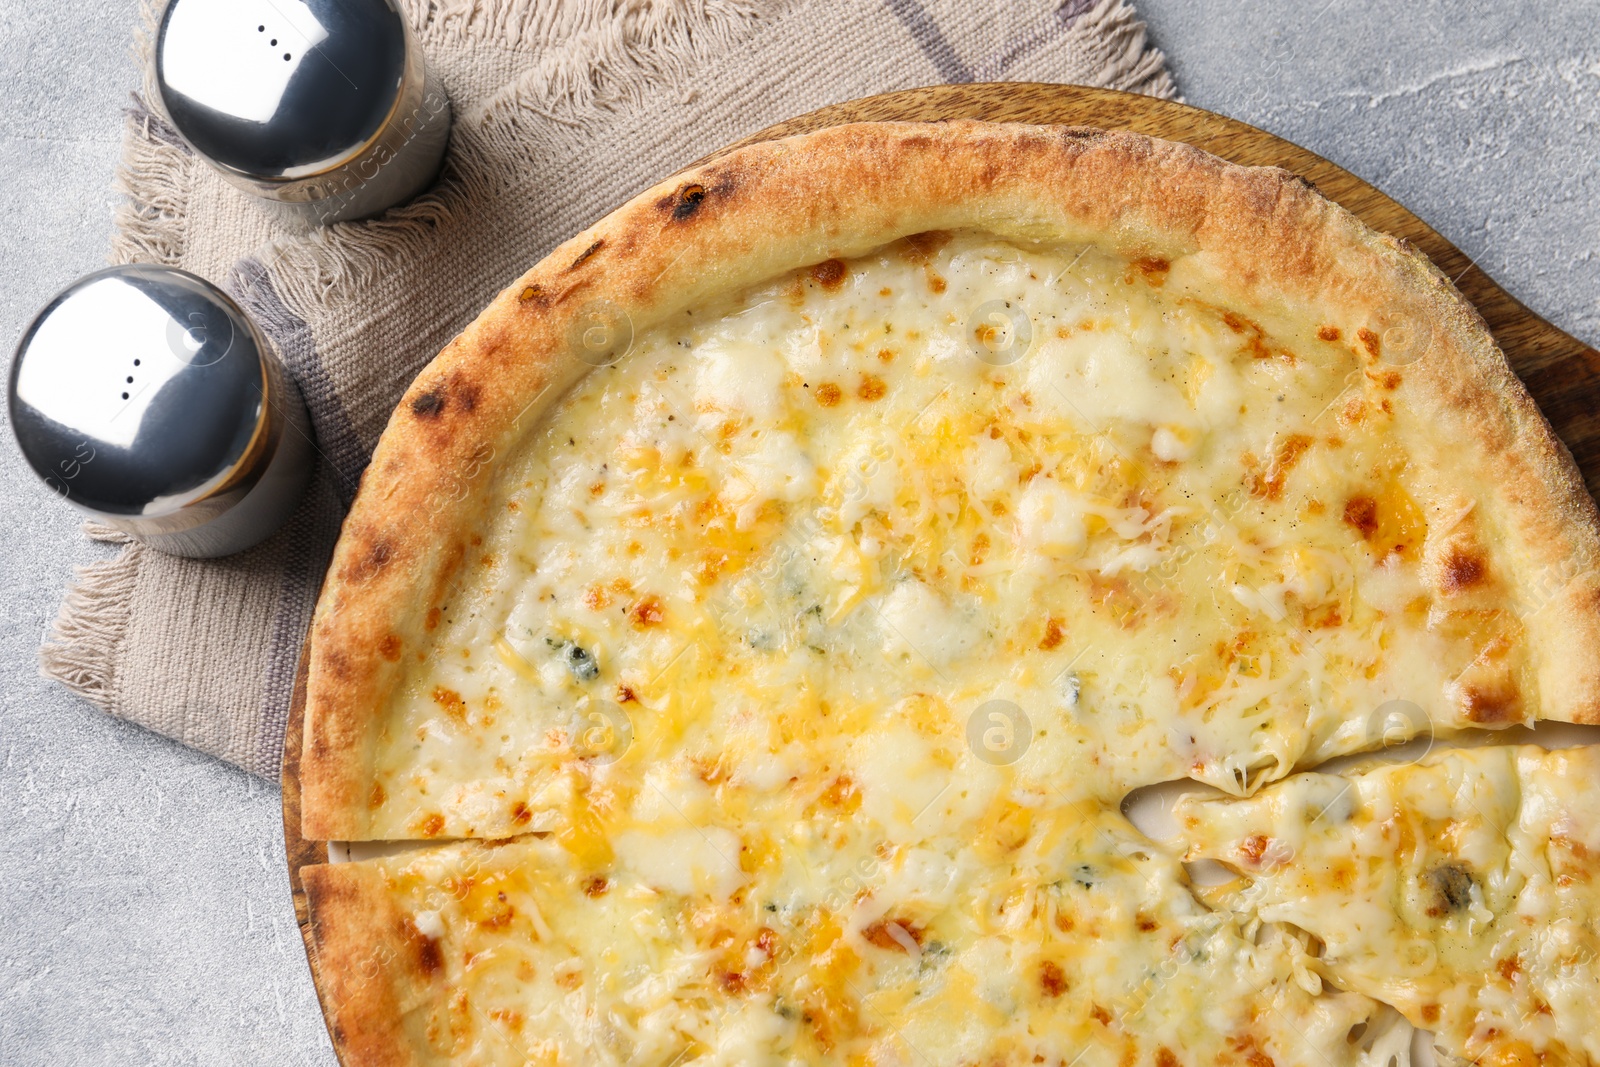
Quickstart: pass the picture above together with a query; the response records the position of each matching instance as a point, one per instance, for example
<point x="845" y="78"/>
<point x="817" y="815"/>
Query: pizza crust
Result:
<point x="373" y="966"/>
<point x="841" y="192"/>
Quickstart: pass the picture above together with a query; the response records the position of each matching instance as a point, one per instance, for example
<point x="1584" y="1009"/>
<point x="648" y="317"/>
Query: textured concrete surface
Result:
<point x="144" y="913"/>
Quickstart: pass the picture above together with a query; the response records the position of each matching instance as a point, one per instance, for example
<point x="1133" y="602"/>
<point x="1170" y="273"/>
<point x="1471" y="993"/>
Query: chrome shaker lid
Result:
<point x="140" y="391"/>
<point x="280" y="89"/>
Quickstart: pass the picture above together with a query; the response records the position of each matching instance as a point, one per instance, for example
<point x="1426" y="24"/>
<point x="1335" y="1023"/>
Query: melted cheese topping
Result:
<point x="1077" y="945"/>
<point x="915" y="565"/>
<point x="1183" y="545"/>
<point x="1462" y="890"/>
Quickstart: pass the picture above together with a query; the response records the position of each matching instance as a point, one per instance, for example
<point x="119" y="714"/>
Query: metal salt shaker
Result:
<point x="146" y="397"/>
<point x="323" y="109"/>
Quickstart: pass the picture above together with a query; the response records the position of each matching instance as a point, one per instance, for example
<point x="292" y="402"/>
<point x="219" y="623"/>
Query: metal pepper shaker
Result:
<point x="322" y="109"/>
<point x="146" y="397"/>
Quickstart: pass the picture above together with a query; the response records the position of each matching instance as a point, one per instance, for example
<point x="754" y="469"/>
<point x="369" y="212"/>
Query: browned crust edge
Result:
<point x="370" y="963"/>
<point x="842" y="191"/>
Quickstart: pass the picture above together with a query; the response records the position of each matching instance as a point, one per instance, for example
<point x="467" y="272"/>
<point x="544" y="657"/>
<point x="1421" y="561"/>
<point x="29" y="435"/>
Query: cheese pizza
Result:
<point x="798" y="568"/>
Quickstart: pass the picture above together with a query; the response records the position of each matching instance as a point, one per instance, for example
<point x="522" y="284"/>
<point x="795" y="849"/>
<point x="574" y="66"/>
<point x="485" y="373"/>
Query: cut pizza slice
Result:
<point x="1462" y="890"/>
<point x="690" y="945"/>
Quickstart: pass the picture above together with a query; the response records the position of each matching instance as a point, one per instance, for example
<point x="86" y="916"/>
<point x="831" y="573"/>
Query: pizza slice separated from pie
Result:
<point x="820" y="547"/>
<point x="1463" y="890"/>
<point x="1082" y="946"/>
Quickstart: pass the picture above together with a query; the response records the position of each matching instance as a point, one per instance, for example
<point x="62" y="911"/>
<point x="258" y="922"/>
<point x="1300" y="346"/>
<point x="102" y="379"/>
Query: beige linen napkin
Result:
<point x="564" y="109"/>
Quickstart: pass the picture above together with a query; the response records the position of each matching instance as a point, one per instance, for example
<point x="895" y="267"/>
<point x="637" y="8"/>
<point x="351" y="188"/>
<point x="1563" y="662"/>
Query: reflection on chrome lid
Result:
<point x="321" y="107"/>
<point x="146" y="397"/>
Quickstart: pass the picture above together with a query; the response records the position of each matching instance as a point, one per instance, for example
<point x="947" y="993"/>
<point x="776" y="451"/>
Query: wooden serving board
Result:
<point x="1561" y="372"/>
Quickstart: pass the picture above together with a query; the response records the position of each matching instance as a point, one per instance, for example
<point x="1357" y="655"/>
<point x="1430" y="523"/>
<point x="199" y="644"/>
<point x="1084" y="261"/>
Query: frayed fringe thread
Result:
<point x="629" y="49"/>
<point x="153" y="180"/>
<point x="154" y="175"/>
<point x="539" y="25"/>
<point x="143" y="44"/>
<point x="99" y="531"/>
<point x="619" y="59"/>
<point x="85" y="640"/>
<point x="1129" y="62"/>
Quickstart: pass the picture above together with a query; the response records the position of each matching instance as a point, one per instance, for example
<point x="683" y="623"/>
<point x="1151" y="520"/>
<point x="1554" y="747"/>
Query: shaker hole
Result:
<point x="130" y="379"/>
<point x="274" y="41"/>
<point x="286" y="57"/>
<point x="124" y="396"/>
<point x="135" y="363"/>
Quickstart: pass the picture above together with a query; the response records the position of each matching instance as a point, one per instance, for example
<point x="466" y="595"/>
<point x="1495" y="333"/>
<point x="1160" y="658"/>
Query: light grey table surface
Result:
<point x="144" y="909"/>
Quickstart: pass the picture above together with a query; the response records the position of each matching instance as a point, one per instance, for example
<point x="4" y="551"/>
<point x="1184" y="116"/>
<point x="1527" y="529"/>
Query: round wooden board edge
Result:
<point x="1543" y="356"/>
